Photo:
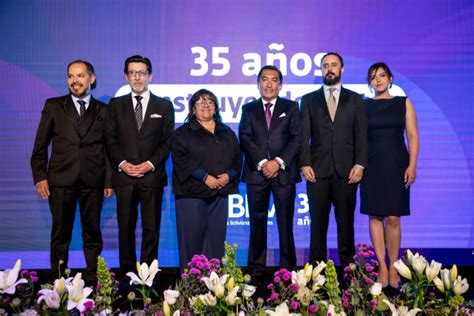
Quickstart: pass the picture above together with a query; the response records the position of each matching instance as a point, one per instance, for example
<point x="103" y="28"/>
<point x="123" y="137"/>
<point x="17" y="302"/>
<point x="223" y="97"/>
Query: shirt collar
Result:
<point x="273" y="101"/>
<point x="337" y="86"/>
<point x="145" y="95"/>
<point x="87" y="99"/>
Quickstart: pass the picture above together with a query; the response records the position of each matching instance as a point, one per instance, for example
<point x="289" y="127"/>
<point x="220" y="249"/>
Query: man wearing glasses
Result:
<point x="138" y="136"/>
<point x="332" y="158"/>
<point x="270" y="137"/>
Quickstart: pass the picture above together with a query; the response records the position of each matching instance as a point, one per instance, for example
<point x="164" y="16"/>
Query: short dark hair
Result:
<point x="138" y="59"/>
<point x="376" y="66"/>
<point x="335" y="54"/>
<point x="270" y="67"/>
<point x="90" y="69"/>
<point x="195" y="97"/>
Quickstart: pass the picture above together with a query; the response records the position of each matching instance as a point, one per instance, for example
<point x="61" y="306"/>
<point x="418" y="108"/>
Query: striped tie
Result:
<point x="138" y="112"/>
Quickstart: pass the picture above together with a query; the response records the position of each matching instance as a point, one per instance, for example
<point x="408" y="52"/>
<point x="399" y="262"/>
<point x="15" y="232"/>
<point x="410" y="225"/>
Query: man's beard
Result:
<point x="329" y="82"/>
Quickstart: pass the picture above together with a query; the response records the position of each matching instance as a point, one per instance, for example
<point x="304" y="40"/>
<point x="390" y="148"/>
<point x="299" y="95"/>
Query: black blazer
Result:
<point x="77" y="145"/>
<point x="282" y="140"/>
<point x="152" y="143"/>
<point x="197" y="152"/>
<point x="337" y="145"/>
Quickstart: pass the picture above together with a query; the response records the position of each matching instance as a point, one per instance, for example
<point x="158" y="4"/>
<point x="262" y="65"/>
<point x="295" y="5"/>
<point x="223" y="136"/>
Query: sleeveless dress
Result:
<point x="382" y="190"/>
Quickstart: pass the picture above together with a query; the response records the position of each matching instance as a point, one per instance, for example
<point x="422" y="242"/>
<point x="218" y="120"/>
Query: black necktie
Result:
<point x="82" y="109"/>
<point x="138" y="112"/>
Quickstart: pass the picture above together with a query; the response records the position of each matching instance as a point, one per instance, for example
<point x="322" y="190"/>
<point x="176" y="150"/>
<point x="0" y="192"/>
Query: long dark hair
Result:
<point x="376" y="66"/>
<point x="202" y="93"/>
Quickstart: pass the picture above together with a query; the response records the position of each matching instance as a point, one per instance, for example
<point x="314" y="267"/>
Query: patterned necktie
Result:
<point x="82" y="108"/>
<point x="138" y="112"/>
<point x="268" y="114"/>
<point x="332" y="103"/>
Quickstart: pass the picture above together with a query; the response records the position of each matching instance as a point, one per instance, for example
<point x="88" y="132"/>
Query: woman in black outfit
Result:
<point x="385" y="187"/>
<point x="206" y="167"/>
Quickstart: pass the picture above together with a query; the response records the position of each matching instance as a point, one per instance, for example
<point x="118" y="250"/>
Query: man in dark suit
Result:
<point x="270" y="137"/>
<point x="333" y="161"/>
<point x="138" y="136"/>
<point x="78" y="169"/>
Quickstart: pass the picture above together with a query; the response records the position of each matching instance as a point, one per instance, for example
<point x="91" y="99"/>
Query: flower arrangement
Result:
<point x="216" y="287"/>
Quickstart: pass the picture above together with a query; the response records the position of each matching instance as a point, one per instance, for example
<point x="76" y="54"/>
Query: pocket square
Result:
<point x="154" y="115"/>
<point x="282" y="115"/>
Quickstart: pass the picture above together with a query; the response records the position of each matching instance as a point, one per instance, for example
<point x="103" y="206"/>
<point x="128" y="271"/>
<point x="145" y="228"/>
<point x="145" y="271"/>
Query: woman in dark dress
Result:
<point x="385" y="188"/>
<point x="206" y="169"/>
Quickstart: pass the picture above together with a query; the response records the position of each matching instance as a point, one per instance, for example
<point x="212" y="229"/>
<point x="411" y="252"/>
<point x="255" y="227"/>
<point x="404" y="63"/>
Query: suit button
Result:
<point x="219" y="162"/>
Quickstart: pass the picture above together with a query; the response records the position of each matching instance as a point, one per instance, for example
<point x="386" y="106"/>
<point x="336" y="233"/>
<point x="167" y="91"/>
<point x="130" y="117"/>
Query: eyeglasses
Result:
<point x="141" y="73"/>
<point x="203" y="103"/>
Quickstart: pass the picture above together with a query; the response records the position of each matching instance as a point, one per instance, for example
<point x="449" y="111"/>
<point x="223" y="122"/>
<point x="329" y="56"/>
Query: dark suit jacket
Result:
<point x="335" y="145"/>
<point x="282" y="140"/>
<point x="152" y="143"/>
<point x="77" y="146"/>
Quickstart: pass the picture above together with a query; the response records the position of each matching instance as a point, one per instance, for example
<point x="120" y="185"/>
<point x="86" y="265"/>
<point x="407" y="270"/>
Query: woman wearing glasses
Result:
<point x="206" y="168"/>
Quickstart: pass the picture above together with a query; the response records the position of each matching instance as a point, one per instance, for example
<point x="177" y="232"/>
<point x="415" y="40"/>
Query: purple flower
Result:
<point x="369" y="268"/>
<point x="276" y="279"/>
<point x="294" y="305"/>
<point x="206" y="266"/>
<point x="270" y="286"/>
<point x="347" y="269"/>
<point x="187" y="313"/>
<point x="373" y="303"/>
<point x="184" y="276"/>
<point x="348" y="293"/>
<point x="368" y="281"/>
<point x="313" y="308"/>
<point x="160" y="313"/>
<point x="99" y="286"/>
<point x="33" y="273"/>
<point x="354" y="280"/>
<point x="286" y="275"/>
<point x="195" y="271"/>
<point x="200" y="265"/>
<point x="34" y="279"/>
<point x="88" y="304"/>
<point x="295" y="287"/>
<point x="146" y="307"/>
<point x="346" y="303"/>
<point x="112" y="274"/>
<point x="273" y="296"/>
<point x="24" y="273"/>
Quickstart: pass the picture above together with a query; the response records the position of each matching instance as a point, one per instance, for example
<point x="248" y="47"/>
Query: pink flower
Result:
<point x="368" y="281"/>
<point x="184" y="276"/>
<point x="273" y="296"/>
<point x="270" y="286"/>
<point x="286" y="275"/>
<point x="313" y="308"/>
<point x="276" y="279"/>
<point x="294" y="305"/>
<point x="195" y="271"/>
<point x="295" y="287"/>
<point x="373" y="303"/>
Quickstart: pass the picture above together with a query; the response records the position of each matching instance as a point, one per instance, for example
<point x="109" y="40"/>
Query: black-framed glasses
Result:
<point x="141" y="73"/>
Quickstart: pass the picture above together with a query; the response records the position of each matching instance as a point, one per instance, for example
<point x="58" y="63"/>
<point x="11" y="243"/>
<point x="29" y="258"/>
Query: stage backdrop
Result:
<point x="221" y="45"/>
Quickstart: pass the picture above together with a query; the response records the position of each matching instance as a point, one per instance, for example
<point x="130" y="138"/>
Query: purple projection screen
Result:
<point x="221" y="45"/>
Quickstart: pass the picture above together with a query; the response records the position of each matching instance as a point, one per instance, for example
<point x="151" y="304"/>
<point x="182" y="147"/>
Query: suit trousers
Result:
<point x="201" y="226"/>
<point x="258" y="203"/>
<point x="128" y="198"/>
<point x="63" y="202"/>
<point x="336" y="191"/>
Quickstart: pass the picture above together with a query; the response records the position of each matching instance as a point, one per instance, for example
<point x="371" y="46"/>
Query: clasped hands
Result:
<point x="270" y="169"/>
<point x="355" y="175"/>
<point x="216" y="183"/>
<point x="137" y="171"/>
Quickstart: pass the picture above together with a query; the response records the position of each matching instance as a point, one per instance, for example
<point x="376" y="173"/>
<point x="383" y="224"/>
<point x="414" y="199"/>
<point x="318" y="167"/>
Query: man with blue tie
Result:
<point x="269" y="134"/>
<point x="78" y="169"/>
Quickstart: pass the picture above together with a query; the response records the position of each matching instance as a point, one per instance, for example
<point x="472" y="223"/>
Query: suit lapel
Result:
<point x="71" y="112"/>
<point x="322" y="102"/>
<point x="130" y="112"/>
<point x="278" y="110"/>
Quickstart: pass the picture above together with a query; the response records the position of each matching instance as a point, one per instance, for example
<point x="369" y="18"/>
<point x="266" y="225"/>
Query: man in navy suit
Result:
<point x="77" y="171"/>
<point x="138" y="135"/>
<point x="270" y="137"/>
<point x="332" y="158"/>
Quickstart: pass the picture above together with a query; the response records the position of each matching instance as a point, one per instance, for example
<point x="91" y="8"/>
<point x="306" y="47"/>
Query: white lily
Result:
<point x="460" y="286"/>
<point x="216" y="284"/>
<point x="454" y="273"/>
<point x="232" y="297"/>
<point x="376" y="289"/>
<point x="208" y="299"/>
<point x="402" y="310"/>
<point x="298" y="278"/>
<point x="432" y="270"/>
<point x="439" y="284"/>
<point x="29" y="312"/>
<point x="249" y="290"/>
<point x="332" y="311"/>
<point x="318" y="269"/>
<point x="177" y="313"/>
<point x="402" y="269"/>
<point x="171" y="296"/>
<point x="446" y="277"/>
<point x="9" y="279"/>
<point x="308" y="271"/>
<point x="418" y="262"/>
<point x="77" y="294"/>
<point x="145" y="274"/>
<point x="281" y="310"/>
<point x="52" y="299"/>
<point x="409" y="254"/>
<point x="318" y="283"/>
